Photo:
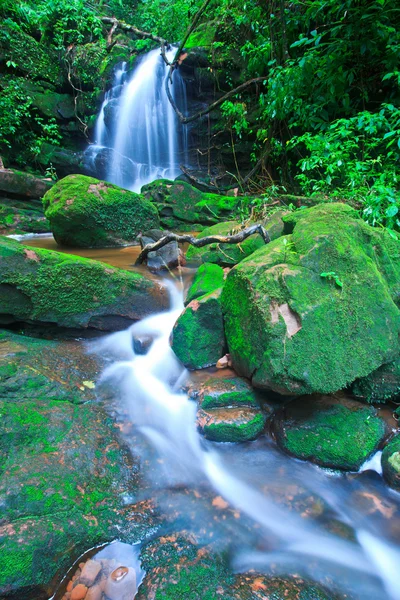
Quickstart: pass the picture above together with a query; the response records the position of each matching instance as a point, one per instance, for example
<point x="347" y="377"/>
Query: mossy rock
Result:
<point x="63" y="160"/>
<point x="208" y="278"/>
<point x="391" y="462"/>
<point x="22" y="184"/>
<point x="17" y="220"/>
<point x="380" y="385"/>
<point x="180" y="204"/>
<point x="87" y="213"/>
<point x="226" y="391"/>
<point x="291" y="327"/>
<point x="63" y="475"/>
<point x="228" y="255"/>
<point x="330" y="431"/>
<point x="42" y="286"/>
<point x="198" y="335"/>
<point x="231" y="424"/>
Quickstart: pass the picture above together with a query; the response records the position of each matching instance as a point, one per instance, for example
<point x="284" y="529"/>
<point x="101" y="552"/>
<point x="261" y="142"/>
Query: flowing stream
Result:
<point x="363" y="562"/>
<point x="137" y="135"/>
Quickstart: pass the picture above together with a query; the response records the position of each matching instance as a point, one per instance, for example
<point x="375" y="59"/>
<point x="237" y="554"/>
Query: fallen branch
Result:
<point x="200" y="242"/>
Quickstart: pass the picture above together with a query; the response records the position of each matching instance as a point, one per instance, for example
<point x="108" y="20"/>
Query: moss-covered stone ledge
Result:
<point x="42" y="286"/>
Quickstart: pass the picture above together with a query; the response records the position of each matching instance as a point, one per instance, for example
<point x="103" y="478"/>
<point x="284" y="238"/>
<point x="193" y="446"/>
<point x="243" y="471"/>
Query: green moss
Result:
<point x="340" y="333"/>
<point x="42" y="285"/>
<point x="15" y="220"/>
<point x="229" y="391"/>
<point x="198" y="336"/>
<point x="331" y="432"/>
<point x="381" y="385"/>
<point x="232" y="425"/>
<point x="203" y="37"/>
<point x="208" y="278"/>
<point x="391" y="462"/>
<point x="87" y="213"/>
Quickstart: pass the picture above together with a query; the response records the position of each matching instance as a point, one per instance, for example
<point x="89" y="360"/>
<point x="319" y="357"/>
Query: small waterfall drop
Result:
<point x="138" y="137"/>
<point x="150" y="386"/>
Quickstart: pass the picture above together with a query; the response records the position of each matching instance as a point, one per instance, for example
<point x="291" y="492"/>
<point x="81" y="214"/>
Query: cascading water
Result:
<point x="137" y="133"/>
<point x="150" y="384"/>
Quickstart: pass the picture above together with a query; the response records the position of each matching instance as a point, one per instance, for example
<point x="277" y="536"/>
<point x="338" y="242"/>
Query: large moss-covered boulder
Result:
<point x="42" y="286"/>
<point x="181" y="206"/>
<point x="380" y="385"/>
<point x="330" y="431"/>
<point x="198" y="338"/>
<point x="21" y="184"/>
<point x="87" y="213"/>
<point x="209" y="277"/>
<point x="391" y="462"/>
<point x="317" y="308"/>
<point x="228" y="255"/>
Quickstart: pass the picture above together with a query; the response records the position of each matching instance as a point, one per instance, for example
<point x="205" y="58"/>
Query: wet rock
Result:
<point x="42" y="286"/>
<point x="64" y="161"/>
<point x="391" y="462"/>
<point x="18" y="217"/>
<point x="167" y="257"/>
<point x="141" y="345"/>
<point x="23" y="184"/>
<point x="330" y="431"/>
<point x="121" y="584"/>
<point x="231" y="424"/>
<point x="208" y="278"/>
<point x="180" y="205"/>
<point x="315" y="309"/>
<point x="78" y="592"/>
<point x="223" y="392"/>
<point x="95" y="592"/>
<point x="111" y="113"/>
<point x="381" y="385"/>
<point x="87" y="213"/>
<point x="198" y="336"/>
<point x="89" y="573"/>
<point x="228" y="255"/>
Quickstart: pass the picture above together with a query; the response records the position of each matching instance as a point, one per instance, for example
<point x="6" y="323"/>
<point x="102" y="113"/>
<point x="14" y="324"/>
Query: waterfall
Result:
<point x="138" y="137"/>
<point x="150" y="386"/>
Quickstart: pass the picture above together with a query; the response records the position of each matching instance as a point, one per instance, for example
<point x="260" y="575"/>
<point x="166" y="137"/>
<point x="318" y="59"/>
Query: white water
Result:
<point x="149" y="385"/>
<point x="146" y="141"/>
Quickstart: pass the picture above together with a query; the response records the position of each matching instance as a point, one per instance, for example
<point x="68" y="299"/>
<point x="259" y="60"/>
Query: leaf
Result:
<point x="89" y="384"/>
<point x="392" y="211"/>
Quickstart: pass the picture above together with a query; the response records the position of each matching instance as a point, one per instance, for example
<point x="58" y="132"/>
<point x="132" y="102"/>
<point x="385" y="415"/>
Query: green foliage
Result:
<point x="331" y="276"/>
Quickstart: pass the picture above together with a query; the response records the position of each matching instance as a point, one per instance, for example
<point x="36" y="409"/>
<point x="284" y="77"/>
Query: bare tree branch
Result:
<point x="200" y="242"/>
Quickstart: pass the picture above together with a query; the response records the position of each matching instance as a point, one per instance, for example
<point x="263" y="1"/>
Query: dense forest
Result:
<point x="325" y="120"/>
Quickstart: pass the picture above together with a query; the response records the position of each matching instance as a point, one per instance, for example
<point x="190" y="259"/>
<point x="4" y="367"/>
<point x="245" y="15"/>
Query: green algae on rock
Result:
<point x="380" y="385"/>
<point x="198" y="338"/>
<point x="85" y="212"/>
<point x="231" y="424"/>
<point x="18" y="217"/>
<point x="43" y="286"/>
<point x="291" y="328"/>
<point x="208" y="278"/>
<point x="228" y="255"/>
<point x="222" y="392"/>
<point x="179" y="204"/>
<point x="330" y="431"/>
<point x="391" y="462"/>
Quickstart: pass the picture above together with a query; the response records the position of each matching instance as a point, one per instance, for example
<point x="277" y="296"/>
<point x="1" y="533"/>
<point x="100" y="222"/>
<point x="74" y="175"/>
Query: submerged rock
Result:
<point x="42" y="286"/>
<point x="181" y="206"/>
<point x="87" y="213"/>
<point x="228" y="255"/>
<point x="330" y="431"/>
<point x="391" y="462"/>
<point x="198" y="338"/>
<point x="315" y="309"/>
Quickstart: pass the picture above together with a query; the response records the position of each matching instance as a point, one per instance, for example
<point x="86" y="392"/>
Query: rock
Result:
<point x="208" y="278"/>
<point x="380" y="385"/>
<point x="63" y="160"/>
<point x="42" y="286"/>
<point x="89" y="572"/>
<point x="121" y="584"/>
<point x="19" y="183"/>
<point x="87" y="213"/>
<point x="141" y="345"/>
<point x="95" y="592"/>
<point x="198" y="336"/>
<point x="166" y="258"/>
<point x="232" y="424"/>
<point x="316" y="309"/>
<point x="224" y="362"/>
<point x="78" y="592"/>
<point x="18" y="217"/>
<point x="223" y="392"/>
<point x="96" y="162"/>
<point x="330" y="431"/>
<point x="228" y="255"/>
<point x="180" y="205"/>
<point x="111" y="113"/>
<point x="391" y="462"/>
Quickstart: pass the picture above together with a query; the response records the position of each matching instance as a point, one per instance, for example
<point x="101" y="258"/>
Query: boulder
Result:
<point x="166" y="258"/>
<point x="182" y="206"/>
<point x="380" y="385"/>
<point x="42" y="286"/>
<point x="318" y="308"/>
<point x="21" y="184"/>
<point x="198" y="336"/>
<point x="391" y="462"/>
<point x="209" y="277"/>
<point x="17" y="217"/>
<point x="63" y="160"/>
<point x="228" y="255"/>
<point x="330" y="431"/>
<point x="87" y="213"/>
